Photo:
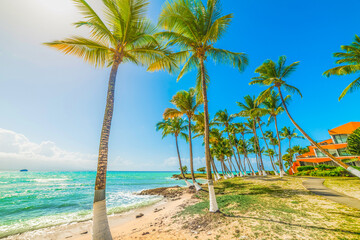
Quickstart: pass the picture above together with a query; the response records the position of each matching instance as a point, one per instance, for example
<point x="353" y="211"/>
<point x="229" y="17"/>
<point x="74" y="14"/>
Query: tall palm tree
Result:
<point x="195" y="27"/>
<point x="350" y="57"/>
<point x="274" y="76"/>
<point x="186" y="104"/>
<point x="251" y="109"/>
<point x="289" y="134"/>
<point x="274" y="107"/>
<point x="271" y="154"/>
<point x="242" y="129"/>
<point x="222" y="117"/>
<point x="176" y="127"/>
<point x="125" y="36"/>
<point x="199" y="129"/>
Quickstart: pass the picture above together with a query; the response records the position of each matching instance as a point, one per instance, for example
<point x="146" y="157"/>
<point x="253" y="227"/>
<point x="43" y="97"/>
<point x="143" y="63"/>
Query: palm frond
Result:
<point x="90" y="51"/>
<point x="355" y="85"/>
<point x="237" y="60"/>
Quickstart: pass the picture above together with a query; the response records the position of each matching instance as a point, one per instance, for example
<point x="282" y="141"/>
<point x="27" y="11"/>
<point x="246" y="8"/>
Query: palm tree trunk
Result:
<point x="212" y="198"/>
<point x="338" y="162"/>
<point x="181" y="169"/>
<point x="267" y="146"/>
<point x="258" y="144"/>
<point x="101" y="228"/>
<point x="197" y="187"/>
<point x="238" y="163"/>
<point x="222" y="168"/>
<point x="232" y="148"/>
<point x="246" y="155"/>
<point x="279" y="145"/>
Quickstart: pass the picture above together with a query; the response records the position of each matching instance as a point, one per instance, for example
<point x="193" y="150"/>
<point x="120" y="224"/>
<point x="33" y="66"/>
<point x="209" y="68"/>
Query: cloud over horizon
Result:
<point x="18" y="152"/>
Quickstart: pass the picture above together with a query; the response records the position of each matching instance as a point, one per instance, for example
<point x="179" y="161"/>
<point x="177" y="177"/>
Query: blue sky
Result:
<point x="52" y="105"/>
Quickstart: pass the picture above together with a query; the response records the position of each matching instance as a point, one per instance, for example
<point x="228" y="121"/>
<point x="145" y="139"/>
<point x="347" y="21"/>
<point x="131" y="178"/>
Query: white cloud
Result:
<point x="171" y="162"/>
<point x="17" y="152"/>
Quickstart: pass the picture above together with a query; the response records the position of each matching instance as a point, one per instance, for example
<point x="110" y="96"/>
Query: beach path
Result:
<point x="315" y="185"/>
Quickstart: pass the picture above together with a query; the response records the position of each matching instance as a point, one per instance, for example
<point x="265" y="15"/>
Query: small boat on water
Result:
<point x="23" y="170"/>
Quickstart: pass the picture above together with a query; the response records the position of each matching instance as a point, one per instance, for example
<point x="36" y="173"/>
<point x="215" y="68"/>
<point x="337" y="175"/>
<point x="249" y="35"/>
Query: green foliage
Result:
<point x="350" y="57"/>
<point x="121" y="34"/>
<point x="324" y="171"/>
<point x="202" y="170"/>
<point x="324" y="167"/>
<point x="184" y="168"/>
<point x="354" y="143"/>
<point x="305" y="168"/>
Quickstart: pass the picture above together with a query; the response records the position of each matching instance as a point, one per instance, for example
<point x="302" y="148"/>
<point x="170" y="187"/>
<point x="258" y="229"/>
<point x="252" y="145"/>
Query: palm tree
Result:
<point x="274" y="76"/>
<point x="250" y="108"/>
<point x="175" y="127"/>
<point x="195" y="27"/>
<point x="271" y="154"/>
<point x="126" y="36"/>
<point x="222" y="117"/>
<point x="274" y="107"/>
<point x="351" y="58"/>
<point x="288" y="133"/>
<point x="199" y="129"/>
<point x="242" y="129"/>
<point x="186" y="104"/>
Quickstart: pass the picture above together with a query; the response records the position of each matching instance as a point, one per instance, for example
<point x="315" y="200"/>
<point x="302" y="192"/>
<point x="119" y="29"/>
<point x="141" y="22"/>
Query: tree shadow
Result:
<point x="292" y="224"/>
<point x="266" y="178"/>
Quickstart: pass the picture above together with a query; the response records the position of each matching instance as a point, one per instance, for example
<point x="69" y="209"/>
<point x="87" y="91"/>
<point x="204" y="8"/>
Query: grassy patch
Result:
<point x="273" y="208"/>
<point x="348" y="186"/>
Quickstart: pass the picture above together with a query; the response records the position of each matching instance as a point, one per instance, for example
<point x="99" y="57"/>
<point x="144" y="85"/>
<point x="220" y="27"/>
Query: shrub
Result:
<point x="305" y="168"/>
<point x="335" y="172"/>
<point x="354" y="142"/>
<point x="324" y="167"/>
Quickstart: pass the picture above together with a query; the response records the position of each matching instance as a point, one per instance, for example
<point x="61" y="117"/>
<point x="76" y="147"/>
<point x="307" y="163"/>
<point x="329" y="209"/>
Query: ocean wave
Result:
<point x="21" y="226"/>
<point x="45" y="180"/>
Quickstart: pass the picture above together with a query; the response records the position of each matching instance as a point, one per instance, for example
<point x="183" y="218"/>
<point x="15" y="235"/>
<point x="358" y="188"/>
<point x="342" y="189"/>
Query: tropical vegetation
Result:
<point x="349" y="59"/>
<point x="235" y="144"/>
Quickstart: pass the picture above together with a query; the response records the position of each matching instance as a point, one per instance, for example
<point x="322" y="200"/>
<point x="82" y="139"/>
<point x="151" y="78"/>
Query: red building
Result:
<point x="336" y="146"/>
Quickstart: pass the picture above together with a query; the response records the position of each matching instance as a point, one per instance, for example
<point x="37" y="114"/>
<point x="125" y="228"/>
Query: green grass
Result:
<point x="188" y="176"/>
<point x="348" y="186"/>
<point x="270" y="208"/>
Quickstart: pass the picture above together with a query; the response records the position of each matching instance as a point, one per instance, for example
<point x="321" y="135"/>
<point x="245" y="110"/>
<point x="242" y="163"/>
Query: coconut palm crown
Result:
<point x="350" y="58"/>
<point x="186" y="104"/>
<point x="194" y="27"/>
<point x="122" y="35"/>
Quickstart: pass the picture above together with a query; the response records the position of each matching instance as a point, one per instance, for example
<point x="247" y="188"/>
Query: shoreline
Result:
<point x="119" y="222"/>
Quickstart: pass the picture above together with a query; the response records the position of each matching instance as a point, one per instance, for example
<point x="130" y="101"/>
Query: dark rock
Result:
<point x="139" y="215"/>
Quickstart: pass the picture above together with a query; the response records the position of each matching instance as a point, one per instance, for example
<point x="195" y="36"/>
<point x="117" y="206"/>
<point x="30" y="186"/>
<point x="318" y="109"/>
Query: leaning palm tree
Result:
<point x="175" y="127"/>
<point x="195" y="27"/>
<point x="350" y="57"/>
<point x="274" y="76"/>
<point x="126" y="35"/>
<point x="274" y="107"/>
<point x="186" y="104"/>
<point x="289" y="134"/>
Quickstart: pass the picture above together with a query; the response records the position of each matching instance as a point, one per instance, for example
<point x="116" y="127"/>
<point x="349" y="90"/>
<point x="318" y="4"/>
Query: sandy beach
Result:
<point x="155" y="219"/>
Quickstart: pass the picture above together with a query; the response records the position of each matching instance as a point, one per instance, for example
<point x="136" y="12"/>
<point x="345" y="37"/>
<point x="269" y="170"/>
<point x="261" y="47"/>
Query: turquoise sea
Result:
<point x="34" y="200"/>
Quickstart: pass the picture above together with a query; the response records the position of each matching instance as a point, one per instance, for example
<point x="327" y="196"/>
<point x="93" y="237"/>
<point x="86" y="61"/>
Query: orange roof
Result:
<point x="347" y="128"/>
<point x="329" y="141"/>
